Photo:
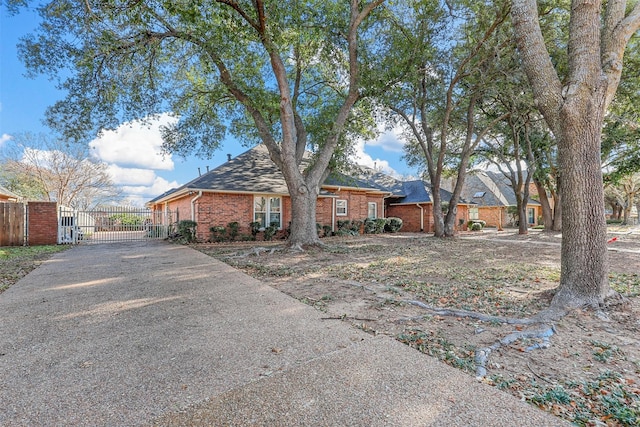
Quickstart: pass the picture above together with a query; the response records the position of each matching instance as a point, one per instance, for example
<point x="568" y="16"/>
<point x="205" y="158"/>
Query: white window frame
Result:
<point x="268" y="210"/>
<point x="341" y="207"/>
<point x="375" y="210"/>
<point x="474" y="213"/>
<point x="531" y="215"/>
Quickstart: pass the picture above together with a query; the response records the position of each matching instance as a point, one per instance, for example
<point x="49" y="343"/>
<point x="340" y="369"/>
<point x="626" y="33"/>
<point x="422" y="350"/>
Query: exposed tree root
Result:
<point x="345" y="317"/>
<point x="482" y="354"/>
<point x="257" y="251"/>
<point x="542" y="332"/>
<point x="472" y="314"/>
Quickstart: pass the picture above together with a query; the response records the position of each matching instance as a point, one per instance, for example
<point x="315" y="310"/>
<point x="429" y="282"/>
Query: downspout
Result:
<point x="333" y="214"/>
<point x="421" y="217"/>
<point x="193" y="206"/>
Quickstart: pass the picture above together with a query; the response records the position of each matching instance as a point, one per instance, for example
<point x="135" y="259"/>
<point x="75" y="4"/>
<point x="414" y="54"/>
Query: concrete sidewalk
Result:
<point x="158" y="334"/>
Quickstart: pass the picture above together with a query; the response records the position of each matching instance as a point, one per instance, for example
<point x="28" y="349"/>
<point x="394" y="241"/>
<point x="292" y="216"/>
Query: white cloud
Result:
<point x="159" y="186"/>
<point x="389" y="140"/>
<point x="4" y="138"/>
<point x="134" y="144"/>
<point x="131" y="176"/>
<point x="364" y="159"/>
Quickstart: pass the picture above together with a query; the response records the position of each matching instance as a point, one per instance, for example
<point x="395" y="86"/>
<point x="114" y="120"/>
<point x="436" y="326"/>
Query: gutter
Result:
<point x="193" y="206"/>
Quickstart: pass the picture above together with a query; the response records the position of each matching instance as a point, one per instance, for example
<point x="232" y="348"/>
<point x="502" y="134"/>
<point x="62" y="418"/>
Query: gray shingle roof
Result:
<point x="253" y="172"/>
<point x="495" y="186"/>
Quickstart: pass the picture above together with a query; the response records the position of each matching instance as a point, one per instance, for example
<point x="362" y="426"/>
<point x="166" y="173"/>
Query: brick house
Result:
<point x="251" y="188"/>
<point x="494" y="199"/>
<point x="412" y="201"/>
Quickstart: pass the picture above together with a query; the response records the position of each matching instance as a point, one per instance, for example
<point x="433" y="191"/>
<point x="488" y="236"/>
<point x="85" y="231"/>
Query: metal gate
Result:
<point x="114" y="224"/>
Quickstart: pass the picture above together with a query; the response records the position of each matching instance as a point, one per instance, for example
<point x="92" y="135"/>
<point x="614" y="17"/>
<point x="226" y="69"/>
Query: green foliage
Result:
<point x="187" y="231"/>
<point x="234" y="230"/>
<point x="374" y="225"/>
<point x="126" y="219"/>
<point x="217" y="233"/>
<point x="271" y="231"/>
<point x="348" y="228"/>
<point x="255" y="229"/>
<point x="327" y="230"/>
<point x="393" y="225"/>
<point x="476" y="225"/>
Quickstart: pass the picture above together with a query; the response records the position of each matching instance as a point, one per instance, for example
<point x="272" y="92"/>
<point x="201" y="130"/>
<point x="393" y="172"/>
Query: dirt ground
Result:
<point x="587" y="367"/>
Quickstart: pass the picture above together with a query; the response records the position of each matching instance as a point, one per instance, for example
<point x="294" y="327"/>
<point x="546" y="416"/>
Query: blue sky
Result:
<point x="132" y="152"/>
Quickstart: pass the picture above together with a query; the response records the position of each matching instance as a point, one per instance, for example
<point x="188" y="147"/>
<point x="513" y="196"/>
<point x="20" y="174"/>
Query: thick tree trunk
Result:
<point x="303" y="218"/>
<point x="584" y="263"/>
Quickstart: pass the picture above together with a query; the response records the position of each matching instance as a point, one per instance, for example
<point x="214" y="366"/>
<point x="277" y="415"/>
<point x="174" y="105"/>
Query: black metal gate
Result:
<point x="114" y="224"/>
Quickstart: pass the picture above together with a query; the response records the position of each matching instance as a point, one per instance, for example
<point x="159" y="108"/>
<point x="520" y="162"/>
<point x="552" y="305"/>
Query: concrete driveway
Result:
<point x="158" y="334"/>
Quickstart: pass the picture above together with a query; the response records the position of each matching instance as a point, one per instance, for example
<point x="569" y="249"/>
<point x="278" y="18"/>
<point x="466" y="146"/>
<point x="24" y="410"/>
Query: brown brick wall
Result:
<point x="219" y="209"/>
<point x="410" y="215"/>
<point x="42" y="223"/>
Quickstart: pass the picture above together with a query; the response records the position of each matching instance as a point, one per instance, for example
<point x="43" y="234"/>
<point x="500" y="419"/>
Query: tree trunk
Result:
<point x="557" y="211"/>
<point x="523" y="221"/>
<point x="303" y="217"/>
<point x="547" y="215"/>
<point x="438" y="216"/>
<point x="584" y="262"/>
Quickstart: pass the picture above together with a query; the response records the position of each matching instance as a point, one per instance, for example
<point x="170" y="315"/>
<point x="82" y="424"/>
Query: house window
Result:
<point x="531" y="214"/>
<point x="267" y="211"/>
<point x="372" y="211"/>
<point x="473" y="213"/>
<point x="341" y="207"/>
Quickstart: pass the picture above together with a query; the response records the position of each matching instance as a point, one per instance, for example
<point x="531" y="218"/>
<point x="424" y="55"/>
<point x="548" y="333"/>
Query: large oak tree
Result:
<point x="573" y="103"/>
<point x="284" y="73"/>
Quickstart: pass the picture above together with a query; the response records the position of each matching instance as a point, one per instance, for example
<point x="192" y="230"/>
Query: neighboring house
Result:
<point x="493" y="196"/>
<point x="250" y="188"/>
<point x="412" y="201"/>
<point x="7" y="196"/>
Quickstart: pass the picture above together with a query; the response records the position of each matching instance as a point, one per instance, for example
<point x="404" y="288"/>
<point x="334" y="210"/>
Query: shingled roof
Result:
<point x="253" y="172"/>
<point x="490" y="189"/>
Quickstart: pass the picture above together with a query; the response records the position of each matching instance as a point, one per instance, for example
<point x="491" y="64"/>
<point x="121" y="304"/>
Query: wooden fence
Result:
<point x="12" y="224"/>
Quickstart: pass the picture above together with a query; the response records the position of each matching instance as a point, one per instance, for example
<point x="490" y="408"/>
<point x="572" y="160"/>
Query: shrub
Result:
<point x="614" y="221"/>
<point x="270" y="231"/>
<point x="187" y="230"/>
<point x="370" y="226"/>
<point x="234" y="229"/>
<point x="218" y="233"/>
<point x="393" y="224"/>
<point x="255" y="229"/>
<point x="476" y="224"/>
<point x="326" y="229"/>
<point x="348" y="228"/>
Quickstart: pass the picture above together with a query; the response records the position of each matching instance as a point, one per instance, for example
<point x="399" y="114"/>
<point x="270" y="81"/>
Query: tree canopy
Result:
<point x="287" y="74"/>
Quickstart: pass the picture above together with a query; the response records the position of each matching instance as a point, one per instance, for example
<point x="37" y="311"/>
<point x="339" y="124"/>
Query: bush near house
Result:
<point x="187" y="231"/>
<point x="476" y="225"/>
<point x="393" y="224"/>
